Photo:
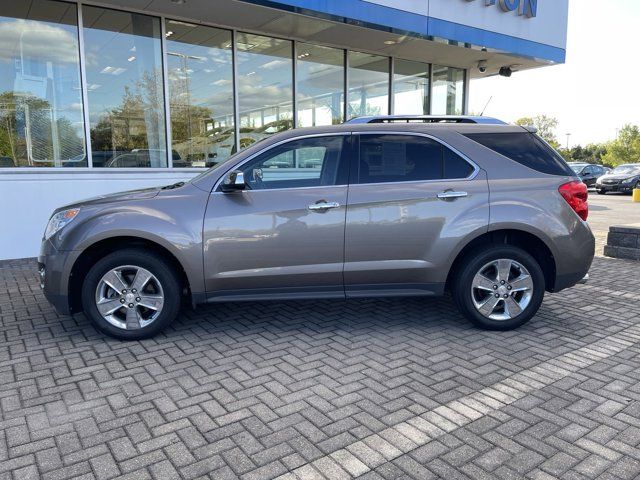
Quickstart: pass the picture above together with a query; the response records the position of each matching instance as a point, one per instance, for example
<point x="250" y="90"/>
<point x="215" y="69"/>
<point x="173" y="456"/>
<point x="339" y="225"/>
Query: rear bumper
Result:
<point x="569" y="280"/>
<point x="574" y="257"/>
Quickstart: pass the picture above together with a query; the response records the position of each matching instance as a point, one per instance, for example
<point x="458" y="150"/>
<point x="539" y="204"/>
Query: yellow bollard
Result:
<point x="636" y="195"/>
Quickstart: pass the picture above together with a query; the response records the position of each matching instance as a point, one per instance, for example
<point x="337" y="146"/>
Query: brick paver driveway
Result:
<point x="378" y="389"/>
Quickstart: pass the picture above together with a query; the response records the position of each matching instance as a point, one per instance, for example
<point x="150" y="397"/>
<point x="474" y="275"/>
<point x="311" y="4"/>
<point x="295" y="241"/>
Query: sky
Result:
<point x="595" y="93"/>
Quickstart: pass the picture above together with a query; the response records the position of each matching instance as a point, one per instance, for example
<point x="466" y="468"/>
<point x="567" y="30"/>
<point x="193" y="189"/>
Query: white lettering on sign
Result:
<point x="527" y="8"/>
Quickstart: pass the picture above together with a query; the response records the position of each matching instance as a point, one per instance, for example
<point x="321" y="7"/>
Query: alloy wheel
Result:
<point x="129" y="297"/>
<point x="502" y="289"/>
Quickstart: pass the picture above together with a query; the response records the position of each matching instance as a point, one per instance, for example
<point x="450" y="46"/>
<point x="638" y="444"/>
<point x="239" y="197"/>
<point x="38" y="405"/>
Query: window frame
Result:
<point x="347" y="149"/>
<point x="354" y="179"/>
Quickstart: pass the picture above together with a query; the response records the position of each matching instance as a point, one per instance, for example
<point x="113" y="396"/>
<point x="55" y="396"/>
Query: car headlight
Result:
<point x="60" y="220"/>
<point x="630" y="180"/>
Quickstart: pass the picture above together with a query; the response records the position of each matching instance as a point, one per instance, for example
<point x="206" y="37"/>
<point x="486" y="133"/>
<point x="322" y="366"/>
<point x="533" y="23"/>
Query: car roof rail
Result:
<point x="427" y="119"/>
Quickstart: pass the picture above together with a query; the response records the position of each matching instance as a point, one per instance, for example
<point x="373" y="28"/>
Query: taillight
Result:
<point x="576" y="195"/>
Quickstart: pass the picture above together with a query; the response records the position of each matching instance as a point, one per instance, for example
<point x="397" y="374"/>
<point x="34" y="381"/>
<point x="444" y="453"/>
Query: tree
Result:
<point x="625" y="148"/>
<point x="592" y="153"/>
<point x="545" y="125"/>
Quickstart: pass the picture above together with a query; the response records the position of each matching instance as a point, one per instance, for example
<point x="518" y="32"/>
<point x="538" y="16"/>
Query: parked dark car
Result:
<point x="623" y="178"/>
<point x="588" y="173"/>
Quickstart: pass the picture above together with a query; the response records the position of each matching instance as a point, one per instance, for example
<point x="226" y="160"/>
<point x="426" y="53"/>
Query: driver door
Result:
<point x="283" y="235"/>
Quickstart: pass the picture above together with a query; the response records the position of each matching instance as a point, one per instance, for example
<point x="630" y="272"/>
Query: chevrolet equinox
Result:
<point x="488" y="212"/>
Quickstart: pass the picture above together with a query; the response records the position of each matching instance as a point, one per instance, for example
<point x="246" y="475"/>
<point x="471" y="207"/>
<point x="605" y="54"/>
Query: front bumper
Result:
<point x="52" y="268"/>
<point x="615" y="188"/>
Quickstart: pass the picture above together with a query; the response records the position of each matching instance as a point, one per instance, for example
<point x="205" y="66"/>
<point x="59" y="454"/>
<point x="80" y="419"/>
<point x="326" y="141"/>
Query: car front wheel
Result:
<point x="131" y="294"/>
<point x="600" y="191"/>
<point x="499" y="288"/>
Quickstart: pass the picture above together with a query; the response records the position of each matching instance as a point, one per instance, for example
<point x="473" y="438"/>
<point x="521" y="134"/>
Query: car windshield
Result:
<point x="577" y="168"/>
<point x="627" y="169"/>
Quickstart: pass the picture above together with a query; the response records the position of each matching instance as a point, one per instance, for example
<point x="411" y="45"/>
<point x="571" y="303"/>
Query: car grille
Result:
<point x="611" y="182"/>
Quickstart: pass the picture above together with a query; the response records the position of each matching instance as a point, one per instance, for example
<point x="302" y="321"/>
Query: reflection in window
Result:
<point x="368" y="85"/>
<point x="308" y="162"/>
<point x="199" y="61"/>
<point x="125" y="88"/>
<point x="410" y="88"/>
<point x="320" y="88"/>
<point x="41" y="117"/>
<point x="396" y="158"/>
<point x="448" y="91"/>
<point x="265" y="93"/>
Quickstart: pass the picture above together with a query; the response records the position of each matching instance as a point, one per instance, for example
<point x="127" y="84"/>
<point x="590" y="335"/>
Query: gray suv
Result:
<point x="488" y="212"/>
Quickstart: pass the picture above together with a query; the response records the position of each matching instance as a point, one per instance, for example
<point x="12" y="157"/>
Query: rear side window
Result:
<point x="408" y="158"/>
<point x="455" y="166"/>
<point x="526" y="149"/>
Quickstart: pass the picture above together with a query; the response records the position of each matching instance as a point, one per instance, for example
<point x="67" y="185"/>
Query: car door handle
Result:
<point x="322" y="206"/>
<point x="450" y="194"/>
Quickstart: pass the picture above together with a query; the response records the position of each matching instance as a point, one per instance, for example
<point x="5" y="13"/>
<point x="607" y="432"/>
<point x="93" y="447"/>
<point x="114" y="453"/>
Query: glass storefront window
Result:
<point x="320" y="85"/>
<point x="265" y="86"/>
<point x="448" y="91"/>
<point x="368" y="85"/>
<point x="410" y="88"/>
<point x="200" y="72"/>
<point x="41" y="116"/>
<point x="125" y="88"/>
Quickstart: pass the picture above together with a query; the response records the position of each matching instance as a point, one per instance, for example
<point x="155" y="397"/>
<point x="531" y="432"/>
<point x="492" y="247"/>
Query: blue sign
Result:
<point x="528" y="8"/>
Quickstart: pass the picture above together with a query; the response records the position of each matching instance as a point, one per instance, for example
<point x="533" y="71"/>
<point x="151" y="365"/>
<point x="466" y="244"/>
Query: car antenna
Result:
<point x="485" y="107"/>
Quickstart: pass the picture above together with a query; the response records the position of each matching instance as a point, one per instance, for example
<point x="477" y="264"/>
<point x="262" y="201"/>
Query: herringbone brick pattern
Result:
<point x="394" y="388"/>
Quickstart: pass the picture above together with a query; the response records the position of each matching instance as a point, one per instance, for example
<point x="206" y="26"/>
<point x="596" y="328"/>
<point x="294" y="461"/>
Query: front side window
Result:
<point x="309" y="162"/>
<point x="125" y="88"/>
<point x="41" y="112"/>
<point x="408" y="158"/>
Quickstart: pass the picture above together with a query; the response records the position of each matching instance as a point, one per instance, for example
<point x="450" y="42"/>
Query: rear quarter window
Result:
<point x="526" y="149"/>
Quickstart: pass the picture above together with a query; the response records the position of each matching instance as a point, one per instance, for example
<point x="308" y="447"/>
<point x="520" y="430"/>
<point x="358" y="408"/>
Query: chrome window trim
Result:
<point x="277" y="144"/>
<point x="474" y="174"/>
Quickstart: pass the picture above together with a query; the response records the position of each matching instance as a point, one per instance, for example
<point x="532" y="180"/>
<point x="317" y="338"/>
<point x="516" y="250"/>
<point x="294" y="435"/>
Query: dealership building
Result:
<point x="100" y="97"/>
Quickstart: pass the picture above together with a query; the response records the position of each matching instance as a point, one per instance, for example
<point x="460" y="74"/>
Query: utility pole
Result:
<point x="568" y="135"/>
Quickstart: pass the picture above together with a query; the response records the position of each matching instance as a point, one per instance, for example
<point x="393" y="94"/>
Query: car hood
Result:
<point x="619" y="176"/>
<point x="140" y="194"/>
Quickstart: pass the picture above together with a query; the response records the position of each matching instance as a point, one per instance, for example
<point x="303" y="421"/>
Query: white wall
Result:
<point x="27" y="199"/>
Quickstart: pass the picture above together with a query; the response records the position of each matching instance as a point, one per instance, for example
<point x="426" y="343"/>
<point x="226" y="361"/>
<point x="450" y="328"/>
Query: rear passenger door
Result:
<point x="412" y="200"/>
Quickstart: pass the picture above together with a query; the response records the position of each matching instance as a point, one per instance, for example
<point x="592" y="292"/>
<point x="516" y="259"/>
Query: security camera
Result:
<point x="505" y="71"/>
<point x="482" y="66"/>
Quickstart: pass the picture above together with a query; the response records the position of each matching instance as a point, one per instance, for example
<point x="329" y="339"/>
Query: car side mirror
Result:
<point x="233" y="182"/>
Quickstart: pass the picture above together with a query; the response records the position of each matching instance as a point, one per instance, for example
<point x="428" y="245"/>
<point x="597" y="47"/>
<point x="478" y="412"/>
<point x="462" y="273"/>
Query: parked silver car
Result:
<point x="489" y="212"/>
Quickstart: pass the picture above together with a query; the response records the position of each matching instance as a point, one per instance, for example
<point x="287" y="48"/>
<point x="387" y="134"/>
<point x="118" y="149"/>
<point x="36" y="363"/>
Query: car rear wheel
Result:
<point x="501" y="288"/>
<point x="131" y="294"/>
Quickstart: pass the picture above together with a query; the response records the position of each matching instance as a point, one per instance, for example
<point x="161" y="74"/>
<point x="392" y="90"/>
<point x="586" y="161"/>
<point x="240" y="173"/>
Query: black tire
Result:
<point x="472" y="264"/>
<point x="601" y="192"/>
<point x="161" y="269"/>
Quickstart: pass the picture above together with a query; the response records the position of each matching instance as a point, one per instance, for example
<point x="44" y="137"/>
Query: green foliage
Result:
<point x="545" y="125"/>
<point x="625" y="148"/>
<point x="592" y="153"/>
